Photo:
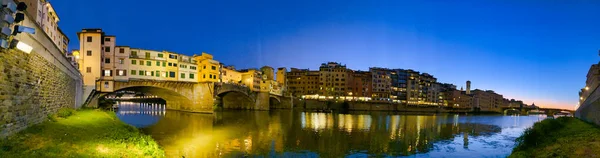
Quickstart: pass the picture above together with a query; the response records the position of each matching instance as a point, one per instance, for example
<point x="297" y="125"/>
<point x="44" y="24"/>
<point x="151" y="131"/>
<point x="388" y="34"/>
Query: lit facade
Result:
<point x="99" y="58"/>
<point x="333" y="79"/>
<point x="251" y="78"/>
<point x="230" y="75"/>
<point x="303" y="82"/>
<point x="208" y="68"/>
<point x="381" y="83"/>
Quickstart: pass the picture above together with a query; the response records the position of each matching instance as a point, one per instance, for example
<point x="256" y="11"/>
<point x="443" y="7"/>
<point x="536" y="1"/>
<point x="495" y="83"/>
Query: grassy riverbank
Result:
<point x="85" y="133"/>
<point x="561" y="137"/>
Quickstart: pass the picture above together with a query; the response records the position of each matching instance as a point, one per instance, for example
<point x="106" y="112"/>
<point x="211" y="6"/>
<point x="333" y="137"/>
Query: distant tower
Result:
<point x="468" y="87"/>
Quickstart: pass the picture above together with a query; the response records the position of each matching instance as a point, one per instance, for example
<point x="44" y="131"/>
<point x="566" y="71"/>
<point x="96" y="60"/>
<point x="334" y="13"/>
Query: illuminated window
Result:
<point x="107" y="73"/>
<point x="121" y="73"/>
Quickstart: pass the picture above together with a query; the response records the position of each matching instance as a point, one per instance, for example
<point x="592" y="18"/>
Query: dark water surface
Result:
<point x="286" y="133"/>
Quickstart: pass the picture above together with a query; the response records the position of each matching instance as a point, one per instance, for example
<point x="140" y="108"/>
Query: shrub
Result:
<point x="65" y="112"/>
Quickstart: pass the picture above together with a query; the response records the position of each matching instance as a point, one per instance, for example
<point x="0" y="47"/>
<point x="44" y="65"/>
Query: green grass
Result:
<point x="561" y="137"/>
<point x="84" y="133"/>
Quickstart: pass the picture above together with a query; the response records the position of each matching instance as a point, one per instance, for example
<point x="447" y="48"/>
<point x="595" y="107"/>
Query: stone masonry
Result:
<point x="31" y="88"/>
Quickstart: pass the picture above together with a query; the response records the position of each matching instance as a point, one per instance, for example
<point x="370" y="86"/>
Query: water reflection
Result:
<point x="307" y="134"/>
<point x="140" y="114"/>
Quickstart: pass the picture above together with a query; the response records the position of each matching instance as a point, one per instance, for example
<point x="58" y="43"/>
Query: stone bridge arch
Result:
<point x="233" y="96"/>
<point x="183" y="96"/>
<point x="511" y="111"/>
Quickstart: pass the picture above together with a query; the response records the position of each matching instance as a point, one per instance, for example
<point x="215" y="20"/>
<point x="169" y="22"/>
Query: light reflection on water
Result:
<point x="309" y="134"/>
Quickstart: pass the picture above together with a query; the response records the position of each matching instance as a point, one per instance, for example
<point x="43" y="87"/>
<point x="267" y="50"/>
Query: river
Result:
<point x="287" y="133"/>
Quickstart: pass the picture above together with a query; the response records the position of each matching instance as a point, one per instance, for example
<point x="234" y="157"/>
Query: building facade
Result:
<point x="100" y="58"/>
<point x="333" y="79"/>
<point x="303" y="82"/>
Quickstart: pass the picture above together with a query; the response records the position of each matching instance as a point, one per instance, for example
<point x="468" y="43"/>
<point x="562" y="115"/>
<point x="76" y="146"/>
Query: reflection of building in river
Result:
<point x="258" y="133"/>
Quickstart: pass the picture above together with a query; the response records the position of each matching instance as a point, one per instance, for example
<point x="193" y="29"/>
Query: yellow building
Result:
<point x="208" y="69"/>
<point x="251" y="78"/>
<point x="230" y="75"/>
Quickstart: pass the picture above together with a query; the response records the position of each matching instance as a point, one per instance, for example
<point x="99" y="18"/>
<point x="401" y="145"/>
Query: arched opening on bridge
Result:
<point x="172" y="99"/>
<point x="274" y="103"/>
<point x="512" y="112"/>
<point x="234" y="100"/>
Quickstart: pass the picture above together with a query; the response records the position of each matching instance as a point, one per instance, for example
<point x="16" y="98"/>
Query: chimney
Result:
<point x="468" y="87"/>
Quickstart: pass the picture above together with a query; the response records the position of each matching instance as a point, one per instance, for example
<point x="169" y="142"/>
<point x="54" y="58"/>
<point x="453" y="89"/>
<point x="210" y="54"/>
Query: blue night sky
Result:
<point x="536" y="51"/>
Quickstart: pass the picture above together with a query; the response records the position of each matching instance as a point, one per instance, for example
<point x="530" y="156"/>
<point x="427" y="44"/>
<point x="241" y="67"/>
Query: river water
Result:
<point x="287" y="133"/>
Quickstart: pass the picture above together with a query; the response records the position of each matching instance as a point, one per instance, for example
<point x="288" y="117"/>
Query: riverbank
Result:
<point x="561" y="137"/>
<point x="84" y="133"/>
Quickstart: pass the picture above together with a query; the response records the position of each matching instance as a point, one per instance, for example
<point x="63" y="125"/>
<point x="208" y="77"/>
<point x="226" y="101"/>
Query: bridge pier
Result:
<point x="262" y="101"/>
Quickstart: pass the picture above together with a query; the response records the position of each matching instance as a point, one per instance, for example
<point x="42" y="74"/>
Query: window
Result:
<point x="133" y="62"/>
<point x="170" y="64"/>
<point x="121" y="61"/>
<point x="89" y="39"/>
<point x="122" y="50"/>
<point x="148" y="63"/>
<point x="157" y="73"/>
<point x="134" y="53"/>
<point x="133" y="72"/>
<point x="205" y="68"/>
<point x="204" y="76"/>
<point x="105" y="84"/>
<point x="89" y="53"/>
<point x="107" y="60"/>
<point x="106" y="49"/>
<point x="147" y="55"/>
<point x="174" y="65"/>
<point x="172" y="56"/>
<point x="141" y="72"/>
<point x="164" y="64"/>
<point x="213" y="67"/>
<point x="157" y="63"/>
<point x="141" y="62"/>
<point x="182" y="75"/>
<point x="210" y="76"/>
<point x="160" y="55"/>
<point x="107" y="73"/>
<point x="191" y="76"/>
<point x="151" y="73"/>
<point x="107" y="39"/>
<point x="121" y="73"/>
<point x="193" y="67"/>
<point x="88" y="69"/>
<point x="172" y="74"/>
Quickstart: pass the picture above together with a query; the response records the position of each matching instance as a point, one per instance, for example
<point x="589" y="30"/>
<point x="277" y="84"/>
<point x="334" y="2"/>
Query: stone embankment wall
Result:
<point x="31" y="88"/>
<point x="589" y="110"/>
